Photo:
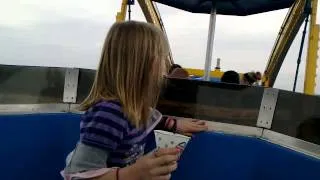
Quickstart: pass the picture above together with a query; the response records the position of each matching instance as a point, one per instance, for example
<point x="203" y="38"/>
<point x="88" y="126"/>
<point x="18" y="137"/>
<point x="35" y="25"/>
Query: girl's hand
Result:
<point x="187" y="126"/>
<point x="157" y="165"/>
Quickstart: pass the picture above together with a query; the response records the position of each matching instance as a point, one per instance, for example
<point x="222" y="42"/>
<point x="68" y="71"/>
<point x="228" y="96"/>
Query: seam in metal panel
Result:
<point x="71" y="85"/>
<point x="267" y="108"/>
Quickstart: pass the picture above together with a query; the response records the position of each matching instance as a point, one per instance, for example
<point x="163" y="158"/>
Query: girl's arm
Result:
<point x="88" y="162"/>
<point x="120" y="174"/>
<point x="183" y="126"/>
<point x="101" y="131"/>
<point x="156" y="165"/>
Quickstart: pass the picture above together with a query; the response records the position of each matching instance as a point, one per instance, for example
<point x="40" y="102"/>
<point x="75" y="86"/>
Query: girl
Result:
<point x="120" y="110"/>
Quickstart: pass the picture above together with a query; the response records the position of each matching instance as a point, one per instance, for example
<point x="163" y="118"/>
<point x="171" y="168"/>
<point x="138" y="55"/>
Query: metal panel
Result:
<point x="31" y="85"/>
<point x="86" y="78"/>
<point x="298" y="115"/>
<point x="292" y="143"/>
<point x="33" y="108"/>
<point x="267" y="108"/>
<point x="71" y="85"/>
<point x="226" y="103"/>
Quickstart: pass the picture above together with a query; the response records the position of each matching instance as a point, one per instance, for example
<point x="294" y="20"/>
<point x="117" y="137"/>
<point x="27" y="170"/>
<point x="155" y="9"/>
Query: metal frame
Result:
<point x="312" y="54"/>
<point x="267" y="108"/>
<point x="121" y="15"/>
<point x="151" y="14"/>
<point x="212" y="24"/>
<point x="33" y="108"/>
<point x="234" y="129"/>
<point x="71" y="85"/>
<point x="286" y="35"/>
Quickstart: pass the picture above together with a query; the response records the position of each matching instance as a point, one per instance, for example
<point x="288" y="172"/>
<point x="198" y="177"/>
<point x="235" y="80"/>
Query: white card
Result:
<point x="166" y="139"/>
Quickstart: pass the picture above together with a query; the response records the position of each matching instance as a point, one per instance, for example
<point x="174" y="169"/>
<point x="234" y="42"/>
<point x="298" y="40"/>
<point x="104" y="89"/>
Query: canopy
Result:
<point x="229" y="7"/>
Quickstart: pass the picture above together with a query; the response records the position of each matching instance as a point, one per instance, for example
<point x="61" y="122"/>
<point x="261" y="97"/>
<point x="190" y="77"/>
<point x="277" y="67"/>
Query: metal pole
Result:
<point x="307" y="12"/>
<point x="312" y="54"/>
<point x="207" y="65"/>
<point x="129" y="12"/>
<point x="218" y="64"/>
<point x="130" y="2"/>
<point x="300" y="53"/>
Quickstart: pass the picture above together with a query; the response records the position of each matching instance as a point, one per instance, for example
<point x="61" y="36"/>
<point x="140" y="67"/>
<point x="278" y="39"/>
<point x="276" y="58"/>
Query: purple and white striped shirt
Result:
<point x="105" y="126"/>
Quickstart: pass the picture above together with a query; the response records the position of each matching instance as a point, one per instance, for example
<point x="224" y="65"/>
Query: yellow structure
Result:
<point x="197" y="72"/>
<point x="288" y="31"/>
<point x="312" y="56"/>
<point x="121" y="16"/>
<point x="151" y="13"/>
<point x="286" y="35"/>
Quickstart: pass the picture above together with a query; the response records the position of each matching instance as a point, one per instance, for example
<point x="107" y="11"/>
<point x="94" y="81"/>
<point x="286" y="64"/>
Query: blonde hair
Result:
<point x="131" y="69"/>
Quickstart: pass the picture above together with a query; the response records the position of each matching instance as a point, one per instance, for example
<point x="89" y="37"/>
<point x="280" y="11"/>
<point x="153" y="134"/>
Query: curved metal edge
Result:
<point x="292" y="143"/>
<point x="33" y="108"/>
<point x="234" y="129"/>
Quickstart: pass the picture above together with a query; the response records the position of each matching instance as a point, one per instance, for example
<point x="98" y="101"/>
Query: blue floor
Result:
<point x="34" y="147"/>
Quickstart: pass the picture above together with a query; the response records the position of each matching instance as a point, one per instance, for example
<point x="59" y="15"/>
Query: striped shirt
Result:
<point x="105" y="126"/>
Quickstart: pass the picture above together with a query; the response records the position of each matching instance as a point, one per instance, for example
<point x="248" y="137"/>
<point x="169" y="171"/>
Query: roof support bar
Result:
<point x="207" y="66"/>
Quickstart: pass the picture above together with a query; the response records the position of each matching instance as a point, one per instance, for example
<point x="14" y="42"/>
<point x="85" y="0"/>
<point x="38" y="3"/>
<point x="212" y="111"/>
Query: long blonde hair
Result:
<point x="131" y="69"/>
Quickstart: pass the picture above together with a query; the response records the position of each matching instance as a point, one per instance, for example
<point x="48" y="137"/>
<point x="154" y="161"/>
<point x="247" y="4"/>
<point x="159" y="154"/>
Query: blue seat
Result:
<point x="35" y="146"/>
<point x="216" y="156"/>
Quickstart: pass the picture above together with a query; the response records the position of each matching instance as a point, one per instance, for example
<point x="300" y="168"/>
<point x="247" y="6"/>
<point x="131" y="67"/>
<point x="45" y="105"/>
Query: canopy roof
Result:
<point x="229" y="7"/>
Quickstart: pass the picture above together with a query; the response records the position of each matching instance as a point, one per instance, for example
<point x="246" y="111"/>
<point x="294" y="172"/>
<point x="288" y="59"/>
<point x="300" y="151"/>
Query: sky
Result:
<point x="70" y="33"/>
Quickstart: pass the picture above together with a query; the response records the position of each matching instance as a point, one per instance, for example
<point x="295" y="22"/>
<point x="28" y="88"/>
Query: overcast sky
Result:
<point x="71" y="32"/>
